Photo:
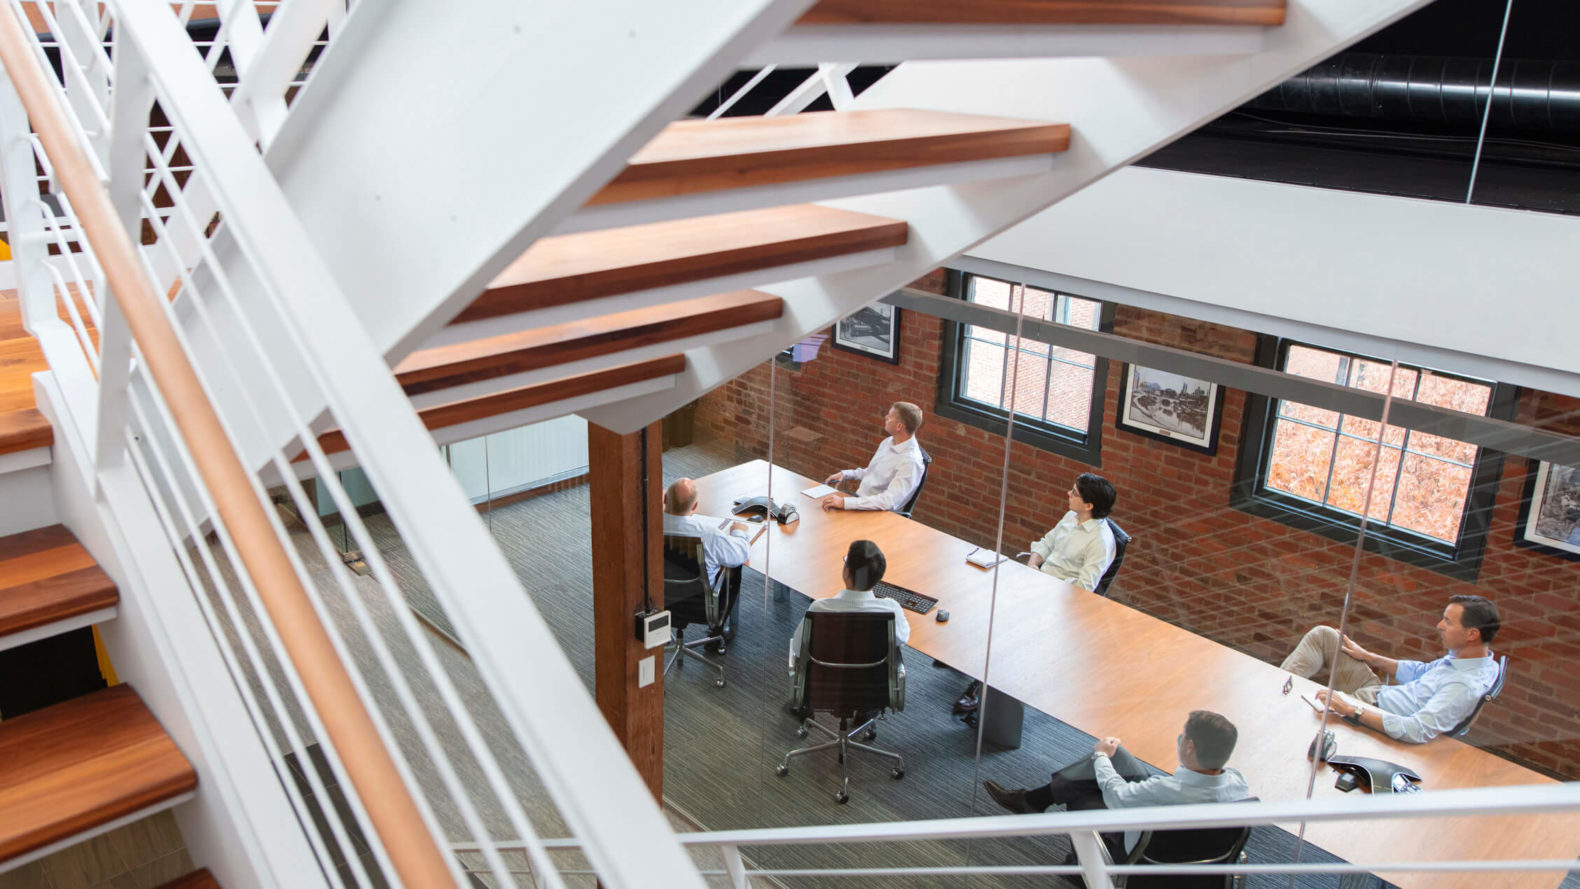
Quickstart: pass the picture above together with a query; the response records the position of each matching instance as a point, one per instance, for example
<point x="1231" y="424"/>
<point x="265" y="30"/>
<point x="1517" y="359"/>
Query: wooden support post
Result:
<point x="627" y="545"/>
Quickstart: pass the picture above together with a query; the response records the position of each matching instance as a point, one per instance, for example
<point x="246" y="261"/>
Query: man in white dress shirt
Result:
<point x="864" y="567"/>
<point x="722" y="550"/>
<point x="1081" y="547"/>
<point x="895" y="470"/>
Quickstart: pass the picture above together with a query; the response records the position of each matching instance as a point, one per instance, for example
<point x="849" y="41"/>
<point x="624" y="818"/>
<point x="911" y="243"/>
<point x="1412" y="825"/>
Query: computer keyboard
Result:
<point x="910" y="600"/>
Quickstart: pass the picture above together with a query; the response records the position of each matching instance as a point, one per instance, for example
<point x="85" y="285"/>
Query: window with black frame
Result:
<point x="1312" y="467"/>
<point x="1056" y="392"/>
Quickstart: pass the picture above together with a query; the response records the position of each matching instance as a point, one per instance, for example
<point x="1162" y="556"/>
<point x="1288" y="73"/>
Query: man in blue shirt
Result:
<point x="1426" y="699"/>
<point x="1112" y="778"/>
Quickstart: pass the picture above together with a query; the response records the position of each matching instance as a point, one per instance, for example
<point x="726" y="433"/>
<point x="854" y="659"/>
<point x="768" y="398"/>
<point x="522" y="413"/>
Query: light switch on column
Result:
<point x="644" y="672"/>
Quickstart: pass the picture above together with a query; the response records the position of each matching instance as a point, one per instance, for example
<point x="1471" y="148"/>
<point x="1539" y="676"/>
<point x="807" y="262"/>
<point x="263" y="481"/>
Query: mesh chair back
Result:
<point x="1208" y="845"/>
<point x="687" y="594"/>
<point x="1121" y="543"/>
<point x="846" y="663"/>
<point x="910" y="502"/>
<point x="1491" y="694"/>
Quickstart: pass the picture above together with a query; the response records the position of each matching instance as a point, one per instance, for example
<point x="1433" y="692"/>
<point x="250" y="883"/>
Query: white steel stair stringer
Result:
<point x="1119" y="110"/>
<point x="434" y="143"/>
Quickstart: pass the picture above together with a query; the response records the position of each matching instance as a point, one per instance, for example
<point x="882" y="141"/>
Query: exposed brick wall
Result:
<point x="1246" y="582"/>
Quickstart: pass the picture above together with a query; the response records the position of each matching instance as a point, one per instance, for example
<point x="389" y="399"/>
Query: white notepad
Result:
<point x="817" y="492"/>
<point x="984" y="558"/>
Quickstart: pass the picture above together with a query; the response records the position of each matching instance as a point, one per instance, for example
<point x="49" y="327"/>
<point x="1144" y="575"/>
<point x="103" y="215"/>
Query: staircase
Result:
<point x="76" y="768"/>
<point x="364" y="261"/>
<point x="955" y="152"/>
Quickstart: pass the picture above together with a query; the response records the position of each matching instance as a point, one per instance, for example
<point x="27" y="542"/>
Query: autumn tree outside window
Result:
<point x="1313" y="467"/>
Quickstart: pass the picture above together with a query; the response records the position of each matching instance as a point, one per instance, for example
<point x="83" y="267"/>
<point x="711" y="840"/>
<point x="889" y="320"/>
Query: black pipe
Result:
<point x="1530" y="95"/>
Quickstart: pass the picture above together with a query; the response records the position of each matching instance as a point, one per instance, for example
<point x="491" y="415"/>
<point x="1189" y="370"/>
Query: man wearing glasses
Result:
<point x="1426" y="699"/>
<point x="1081" y="547"/>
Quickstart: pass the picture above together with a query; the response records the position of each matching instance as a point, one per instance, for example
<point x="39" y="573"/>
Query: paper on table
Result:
<point x="818" y="491"/>
<point x="984" y="558"/>
<point x="1311" y="699"/>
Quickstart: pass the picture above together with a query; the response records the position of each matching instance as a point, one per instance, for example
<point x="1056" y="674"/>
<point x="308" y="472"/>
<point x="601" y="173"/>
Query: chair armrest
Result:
<point x="1022" y="556"/>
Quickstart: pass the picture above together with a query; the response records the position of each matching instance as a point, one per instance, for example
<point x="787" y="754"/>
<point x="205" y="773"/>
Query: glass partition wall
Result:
<point x="1262" y="487"/>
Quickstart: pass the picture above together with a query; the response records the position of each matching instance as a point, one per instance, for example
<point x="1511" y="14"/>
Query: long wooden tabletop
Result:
<point x="1108" y="669"/>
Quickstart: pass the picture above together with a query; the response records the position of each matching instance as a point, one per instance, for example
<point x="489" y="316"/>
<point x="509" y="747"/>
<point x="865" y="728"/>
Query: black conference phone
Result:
<point x="763" y="507"/>
<point x="1382" y="775"/>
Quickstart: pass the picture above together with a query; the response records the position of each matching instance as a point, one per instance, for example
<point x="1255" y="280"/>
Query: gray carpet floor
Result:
<point x="721" y="745"/>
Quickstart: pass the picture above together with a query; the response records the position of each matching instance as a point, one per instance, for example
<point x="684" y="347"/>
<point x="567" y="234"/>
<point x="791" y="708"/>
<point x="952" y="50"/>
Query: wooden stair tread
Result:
<point x="22" y="426"/>
<point x="445" y="366"/>
<point x="46" y="576"/>
<point x="1046" y="12"/>
<point x="24" y="429"/>
<point x="495" y="403"/>
<point x="572" y="268"/>
<point x="201" y="879"/>
<point x="692" y="156"/>
<point x="82" y="764"/>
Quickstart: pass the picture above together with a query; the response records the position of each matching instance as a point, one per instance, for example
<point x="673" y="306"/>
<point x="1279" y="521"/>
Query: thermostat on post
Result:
<point x="652" y="628"/>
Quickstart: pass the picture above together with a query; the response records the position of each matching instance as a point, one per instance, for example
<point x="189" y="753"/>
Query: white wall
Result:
<point x="518" y="459"/>
<point x="1485" y="291"/>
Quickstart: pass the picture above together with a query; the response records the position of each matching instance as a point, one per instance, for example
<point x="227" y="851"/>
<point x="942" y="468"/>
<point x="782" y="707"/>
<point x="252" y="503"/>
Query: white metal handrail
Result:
<point x="1094" y="864"/>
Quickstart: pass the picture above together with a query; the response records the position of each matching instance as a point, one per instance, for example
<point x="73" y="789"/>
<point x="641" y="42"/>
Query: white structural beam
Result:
<point x="1119" y="110"/>
<point x="1447" y="285"/>
<point x="889" y="44"/>
<point x="434" y="143"/>
<point x="656" y="296"/>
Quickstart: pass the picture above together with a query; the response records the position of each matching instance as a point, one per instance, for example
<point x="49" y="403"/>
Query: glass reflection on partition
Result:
<point x="1162" y="623"/>
<point x="724" y="674"/>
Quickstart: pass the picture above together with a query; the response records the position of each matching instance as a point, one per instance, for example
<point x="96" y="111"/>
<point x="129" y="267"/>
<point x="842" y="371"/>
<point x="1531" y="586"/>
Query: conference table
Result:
<point x="1110" y="670"/>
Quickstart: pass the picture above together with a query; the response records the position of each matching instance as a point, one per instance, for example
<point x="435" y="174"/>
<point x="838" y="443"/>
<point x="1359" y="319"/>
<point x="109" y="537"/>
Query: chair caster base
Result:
<point x="842" y="797"/>
<point x="896" y="774"/>
<point x="718" y="683"/>
<point x="781" y="770"/>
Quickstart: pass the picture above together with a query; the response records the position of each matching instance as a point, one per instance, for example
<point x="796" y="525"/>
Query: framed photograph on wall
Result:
<point x="1550" y="511"/>
<point x="872" y="330"/>
<point x="1170" y="407"/>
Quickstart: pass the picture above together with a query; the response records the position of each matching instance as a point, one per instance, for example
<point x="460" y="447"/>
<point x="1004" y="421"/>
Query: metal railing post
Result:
<point x="1093" y="857"/>
<point x="734" y="866"/>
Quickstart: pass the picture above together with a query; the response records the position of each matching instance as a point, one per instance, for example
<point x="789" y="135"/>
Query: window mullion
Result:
<point x="1333" y="459"/>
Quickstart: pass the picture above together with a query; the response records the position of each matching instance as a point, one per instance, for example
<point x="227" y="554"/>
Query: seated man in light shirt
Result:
<point x="895" y="470"/>
<point x="1428" y="698"/>
<point x="1081" y="547"/>
<point x="864" y="567"/>
<point x="1112" y="778"/>
<point x="721" y="550"/>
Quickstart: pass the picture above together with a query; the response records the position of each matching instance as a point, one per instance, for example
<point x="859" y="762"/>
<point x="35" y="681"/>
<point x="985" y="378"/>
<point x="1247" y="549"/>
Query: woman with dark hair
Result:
<point x="864" y="567"/>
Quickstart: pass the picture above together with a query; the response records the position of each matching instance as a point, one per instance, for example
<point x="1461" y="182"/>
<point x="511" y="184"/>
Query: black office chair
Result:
<point x="691" y="598"/>
<point x="910" y="503"/>
<point x="848" y="666"/>
<point x="1464" y="728"/>
<point x="1208" y="845"/>
<point x="1121" y="543"/>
